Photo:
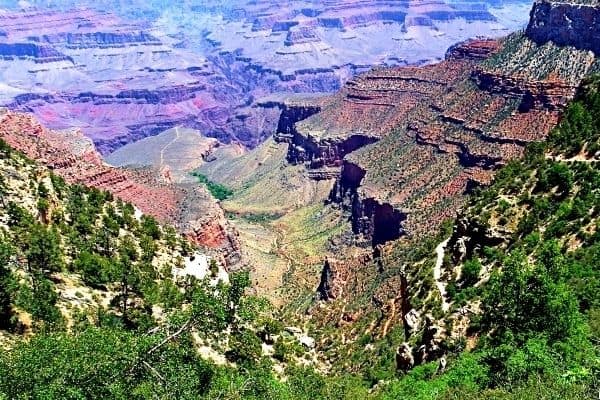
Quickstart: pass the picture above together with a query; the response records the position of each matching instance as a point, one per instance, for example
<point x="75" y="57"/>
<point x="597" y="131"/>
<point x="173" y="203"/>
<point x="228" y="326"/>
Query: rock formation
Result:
<point x="405" y="360"/>
<point x="412" y="140"/>
<point x="566" y="24"/>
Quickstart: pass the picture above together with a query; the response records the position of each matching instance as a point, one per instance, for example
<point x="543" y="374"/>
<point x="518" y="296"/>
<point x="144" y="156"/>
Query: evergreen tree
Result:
<point x="6" y="253"/>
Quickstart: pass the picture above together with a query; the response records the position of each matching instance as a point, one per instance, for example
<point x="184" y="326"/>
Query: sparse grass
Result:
<point x="259" y="218"/>
<point x="308" y="230"/>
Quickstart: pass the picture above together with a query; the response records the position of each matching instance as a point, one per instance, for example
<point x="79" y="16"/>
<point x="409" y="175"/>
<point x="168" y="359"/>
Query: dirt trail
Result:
<point x="162" y="151"/>
<point x="437" y="273"/>
<point x="386" y="327"/>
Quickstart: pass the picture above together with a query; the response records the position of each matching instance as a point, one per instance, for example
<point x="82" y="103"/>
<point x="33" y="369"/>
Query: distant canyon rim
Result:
<point x="221" y="68"/>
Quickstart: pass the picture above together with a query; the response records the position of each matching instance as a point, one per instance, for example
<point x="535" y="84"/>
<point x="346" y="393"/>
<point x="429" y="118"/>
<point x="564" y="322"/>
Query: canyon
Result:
<point x="408" y="145"/>
<point x="409" y="187"/>
<point x="161" y="91"/>
<point x="397" y="150"/>
<point x="143" y="68"/>
<point x="393" y="149"/>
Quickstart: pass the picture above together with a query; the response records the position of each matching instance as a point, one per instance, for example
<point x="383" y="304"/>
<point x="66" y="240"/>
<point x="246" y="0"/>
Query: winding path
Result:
<point x="162" y="152"/>
<point x="437" y="273"/>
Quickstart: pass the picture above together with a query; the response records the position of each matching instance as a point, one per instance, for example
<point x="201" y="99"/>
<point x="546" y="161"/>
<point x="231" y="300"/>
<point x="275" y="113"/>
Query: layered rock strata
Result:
<point x="150" y="66"/>
<point x="566" y="24"/>
<point x="436" y="132"/>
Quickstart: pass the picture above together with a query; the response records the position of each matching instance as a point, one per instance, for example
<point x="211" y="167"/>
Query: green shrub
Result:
<point x="470" y="271"/>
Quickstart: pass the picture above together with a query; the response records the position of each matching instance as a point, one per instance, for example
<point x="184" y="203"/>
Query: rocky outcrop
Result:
<point x="329" y="285"/>
<point x="170" y="95"/>
<point x="300" y="36"/>
<point x="429" y="347"/>
<point x="377" y="220"/>
<point x="470" y="235"/>
<point x="337" y="274"/>
<point x="306" y="149"/>
<point x="372" y="220"/>
<point x="551" y="94"/>
<point x="317" y="153"/>
<point x="98" y="39"/>
<point x="291" y="113"/>
<point x="165" y="95"/>
<point x="31" y="51"/>
<point x="405" y="360"/>
<point x="474" y="50"/>
<point x="566" y="24"/>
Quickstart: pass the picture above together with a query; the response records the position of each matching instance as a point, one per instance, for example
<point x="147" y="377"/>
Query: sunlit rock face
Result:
<point x="125" y="70"/>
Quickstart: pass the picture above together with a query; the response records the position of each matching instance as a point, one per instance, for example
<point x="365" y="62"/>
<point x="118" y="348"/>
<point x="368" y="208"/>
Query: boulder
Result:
<point x="404" y="357"/>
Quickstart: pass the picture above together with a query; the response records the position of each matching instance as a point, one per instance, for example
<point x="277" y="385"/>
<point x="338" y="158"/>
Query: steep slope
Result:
<point x="104" y="302"/>
<point x="497" y="298"/>
<point x="72" y="156"/>
<point x="70" y="249"/>
<point x="413" y="140"/>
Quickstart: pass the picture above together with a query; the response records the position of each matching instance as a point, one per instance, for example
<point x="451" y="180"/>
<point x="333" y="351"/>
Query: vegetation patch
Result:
<point x="219" y="191"/>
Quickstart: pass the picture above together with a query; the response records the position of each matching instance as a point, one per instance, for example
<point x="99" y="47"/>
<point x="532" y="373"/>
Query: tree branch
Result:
<point x="183" y="327"/>
<point x="152" y="369"/>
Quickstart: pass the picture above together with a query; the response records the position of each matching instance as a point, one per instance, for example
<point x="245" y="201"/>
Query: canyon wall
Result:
<point x="374" y="222"/>
<point x="501" y="96"/>
<point x="437" y="131"/>
<point x="146" y="67"/>
<point x="566" y="24"/>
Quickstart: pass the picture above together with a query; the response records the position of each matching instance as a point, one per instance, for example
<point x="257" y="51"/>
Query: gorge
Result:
<point x="299" y="200"/>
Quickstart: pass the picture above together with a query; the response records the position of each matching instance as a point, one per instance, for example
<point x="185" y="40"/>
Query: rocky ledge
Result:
<point x="30" y="51"/>
<point x="474" y="49"/>
<point x="550" y="93"/>
<point x="305" y="148"/>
